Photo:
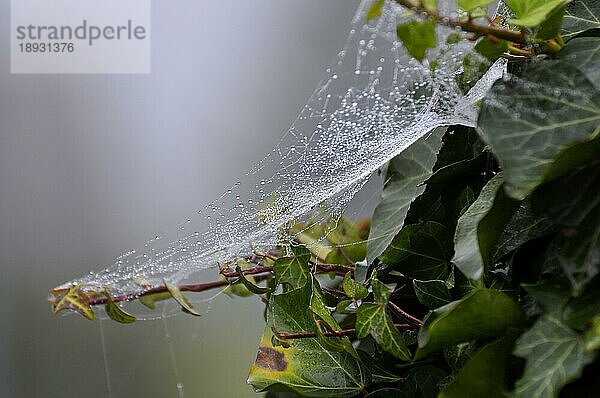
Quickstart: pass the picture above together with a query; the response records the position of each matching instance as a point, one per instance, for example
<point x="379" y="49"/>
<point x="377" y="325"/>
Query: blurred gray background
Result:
<point x="92" y="165"/>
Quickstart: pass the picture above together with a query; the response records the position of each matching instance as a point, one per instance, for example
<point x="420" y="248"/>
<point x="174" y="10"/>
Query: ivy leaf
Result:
<point x="150" y="300"/>
<point x="482" y="314"/>
<point x="524" y="226"/>
<point x="577" y="253"/>
<point x="417" y="37"/>
<point x="430" y="4"/>
<point x="353" y="289"/>
<point x="581" y="19"/>
<point x="249" y="285"/>
<point x="116" y="313"/>
<point x="483" y="375"/>
<point x="479" y="228"/>
<point x="565" y="206"/>
<point x="470" y="5"/>
<point x="373" y="319"/>
<point x="554" y="354"/>
<point x="306" y="366"/>
<point x="584" y="53"/>
<point x="531" y="13"/>
<point x="579" y="311"/>
<point x="457" y="355"/>
<point x="292" y="272"/>
<point x="378" y="374"/>
<point x="533" y="123"/>
<point x="550" y="28"/>
<point x="375" y="10"/>
<point x="185" y="304"/>
<point x="405" y="174"/>
<point x="592" y="336"/>
<point x="385" y="393"/>
<point x="323" y="313"/>
<point x="551" y="295"/>
<point x="421" y="251"/>
<point x="492" y="49"/>
<point x="76" y="300"/>
<point x="432" y="294"/>
<point x="424" y="381"/>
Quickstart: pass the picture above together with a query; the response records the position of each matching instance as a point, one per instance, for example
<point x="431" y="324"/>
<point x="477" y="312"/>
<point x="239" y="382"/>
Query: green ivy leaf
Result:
<point x="551" y="295"/>
<point x="417" y="37"/>
<point x="116" y="313"/>
<point x="432" y="294"/>
<point x="373" y="319"/>
<point x="564" y="205"/>
<point x="581" y="19"/>
<point x="577" y="252"/>
<point x="531" y="13"/>
<point x="492" y="49"/>
<point x="550" y="28"/>
<point x="375" y="9"/>
<point x="592" y="336"/>
<point x="457" y="355"/>
<point x="385" y="393"/>
<point x="292" y="272"/>
<point x="532" y="122"/>
<point x="323" y="313"/>
<point x="353" y="289"/>
<point x="185" y="304"/>
<point x="342" y="305"/>
<point x="584" y="54"/>
<point x="378" y="374"/>
<point x="76" y="300"/>
<point x="479" y="228"/>
<point x="482" y="314"/>
<point x="249" y="285"/>
<point x="406" y="172"/>
<point x="554" y="354"/>
<point x="421" y="251"/>
<point x="483" y="375"/>
<point x="524" y="226"/>
<point x="430" y="4"/>
<point x="150" y="300"/>
<point x="306" y="366"/>
<point x="579" y="311"/>
<point x="425" y="381"/>
<point x="470" y="5"/>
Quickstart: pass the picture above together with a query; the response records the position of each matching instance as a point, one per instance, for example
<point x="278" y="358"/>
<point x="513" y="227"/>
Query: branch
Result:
<point x="399" y="311"/>
<point x="197" y="287"/>
<point x="261" y="273"/>
<point x="467" y="25"/>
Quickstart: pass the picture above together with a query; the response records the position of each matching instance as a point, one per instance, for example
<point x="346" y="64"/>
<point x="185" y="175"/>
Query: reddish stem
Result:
<point x="399" y="311"/>
<point x="197" y="287"/>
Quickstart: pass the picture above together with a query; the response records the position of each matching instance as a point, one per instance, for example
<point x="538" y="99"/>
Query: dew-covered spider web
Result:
<point x="374" y="101"/>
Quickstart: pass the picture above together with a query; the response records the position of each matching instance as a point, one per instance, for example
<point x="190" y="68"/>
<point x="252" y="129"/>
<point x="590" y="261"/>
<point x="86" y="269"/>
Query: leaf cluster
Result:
<point x="482" y="267"/>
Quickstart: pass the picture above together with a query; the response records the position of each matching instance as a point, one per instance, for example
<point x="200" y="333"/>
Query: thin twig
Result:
<point x="323" y="267"/>
<point x="334" y="292"/>
<point x="399" y="311"/>
<point x="197" y="287"/>
<point x="229" y="273"/>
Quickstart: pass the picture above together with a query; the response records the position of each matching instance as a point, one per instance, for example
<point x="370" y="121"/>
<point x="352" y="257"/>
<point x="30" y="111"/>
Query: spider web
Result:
<point x="374" y="101"/>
